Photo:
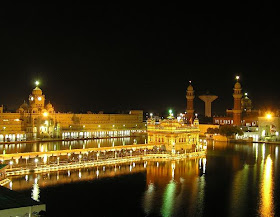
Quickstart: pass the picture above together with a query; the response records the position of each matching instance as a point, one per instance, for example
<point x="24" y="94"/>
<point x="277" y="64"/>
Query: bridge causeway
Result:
<point x="106" y="162"/>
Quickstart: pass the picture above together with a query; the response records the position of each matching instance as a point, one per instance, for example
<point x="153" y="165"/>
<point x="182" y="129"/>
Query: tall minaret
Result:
<point x="237" y="95"/>
<point x="190" y="97"/>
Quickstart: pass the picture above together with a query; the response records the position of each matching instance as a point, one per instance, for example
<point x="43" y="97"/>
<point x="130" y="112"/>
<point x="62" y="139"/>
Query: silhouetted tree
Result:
<point x="229" y="130"/>
<point x="211" y="130"/>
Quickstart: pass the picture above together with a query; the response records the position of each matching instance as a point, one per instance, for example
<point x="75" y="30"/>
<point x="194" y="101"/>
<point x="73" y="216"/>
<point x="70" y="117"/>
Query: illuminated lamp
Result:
<point x="268" y="116"/>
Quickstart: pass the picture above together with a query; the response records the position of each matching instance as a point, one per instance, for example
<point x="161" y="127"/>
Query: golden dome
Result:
<point x="37" y="91"/>
<point x="49" y="105"/>
<point x="237" y="85"/>
<point x="190" y="88"/>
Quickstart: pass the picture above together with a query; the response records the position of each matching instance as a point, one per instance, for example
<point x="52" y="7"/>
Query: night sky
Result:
<point x="116" y="58"/>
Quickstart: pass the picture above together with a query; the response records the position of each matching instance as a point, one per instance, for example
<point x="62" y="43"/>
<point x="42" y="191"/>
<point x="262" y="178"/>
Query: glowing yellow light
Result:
<point x="45" y="114"/>
<point x="35" y="191"/>
<point x="45" y="159"/>
<point x="267" y="205"/>
<point x="268" y="116"/>
<point x="237" y="77"/>
<point x="37" y="83"/>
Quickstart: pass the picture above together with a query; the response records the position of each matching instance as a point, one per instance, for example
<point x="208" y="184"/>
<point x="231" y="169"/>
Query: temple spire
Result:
<point x="37" y="83"/>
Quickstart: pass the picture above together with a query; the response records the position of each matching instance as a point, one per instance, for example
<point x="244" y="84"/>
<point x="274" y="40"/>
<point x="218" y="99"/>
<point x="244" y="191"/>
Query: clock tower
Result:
<point x="37" y="99"/>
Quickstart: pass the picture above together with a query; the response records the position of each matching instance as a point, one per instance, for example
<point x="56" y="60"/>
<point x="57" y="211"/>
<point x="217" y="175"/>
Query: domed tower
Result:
<point x="49" y="108"/>
<point x="190" y="97"/>
<point x="237" y="95"/>
<point x="23" y="108"/>
<point x="246" y="103"/>
<point x="37" y="99"/>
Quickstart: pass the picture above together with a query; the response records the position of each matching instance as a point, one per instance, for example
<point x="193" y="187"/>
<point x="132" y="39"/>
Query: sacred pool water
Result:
<point x="232" y="180"/>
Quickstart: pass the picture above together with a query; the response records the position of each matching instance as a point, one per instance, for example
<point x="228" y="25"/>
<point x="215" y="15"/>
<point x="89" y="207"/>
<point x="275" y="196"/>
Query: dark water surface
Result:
<point x="233" y="180"/>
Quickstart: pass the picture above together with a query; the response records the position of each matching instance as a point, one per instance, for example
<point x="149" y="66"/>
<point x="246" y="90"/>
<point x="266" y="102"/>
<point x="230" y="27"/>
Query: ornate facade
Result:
<point x="174" y="134"/>
<point x="36" y="119"/>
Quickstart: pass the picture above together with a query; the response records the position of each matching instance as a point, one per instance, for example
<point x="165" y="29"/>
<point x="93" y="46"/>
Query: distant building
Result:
<point x="37" y="119"/>
<point x="242" y="113"/>
<point x="269" y="127"/>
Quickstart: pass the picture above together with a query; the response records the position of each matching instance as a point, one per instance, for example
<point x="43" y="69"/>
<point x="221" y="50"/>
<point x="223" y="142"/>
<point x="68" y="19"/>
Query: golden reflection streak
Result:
<point x="148" y="198"/>
<point x="35" y="194"/>
<point x="238" y="194"/>
<point x="266" y="204"/>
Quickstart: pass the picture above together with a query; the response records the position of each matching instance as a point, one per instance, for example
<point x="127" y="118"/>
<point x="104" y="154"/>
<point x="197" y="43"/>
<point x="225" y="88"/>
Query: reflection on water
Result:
<point x="48" y="179"/>
<point x="149" y="198"/>
<point x="239" y="192"/>
<point x="266" y="203"/>
<point x="175" y="188"/>
<point x="202" y="164"/>
<point x="35" y="194"/>
<point x="75" y="144"/>
<point x="233" y="180"/>
<point x="168" y="199"/>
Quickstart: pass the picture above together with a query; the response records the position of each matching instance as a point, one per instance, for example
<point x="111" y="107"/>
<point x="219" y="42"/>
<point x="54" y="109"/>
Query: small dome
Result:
<point x="37" y="91"/>
<point x="246" y="102"/>
<point x="24" y="105"/>
<point x="49" y="105"/>
<point x="190" y="88"/>
<point x="237" y="85"/>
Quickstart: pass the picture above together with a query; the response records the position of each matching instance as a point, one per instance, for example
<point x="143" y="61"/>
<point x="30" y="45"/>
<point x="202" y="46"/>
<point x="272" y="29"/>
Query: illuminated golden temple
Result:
<point x="36" y="119"/>
<point x="173" y="133"/>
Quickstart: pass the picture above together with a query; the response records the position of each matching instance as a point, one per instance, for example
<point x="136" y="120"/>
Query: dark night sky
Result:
<point x="115" y="58"/>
